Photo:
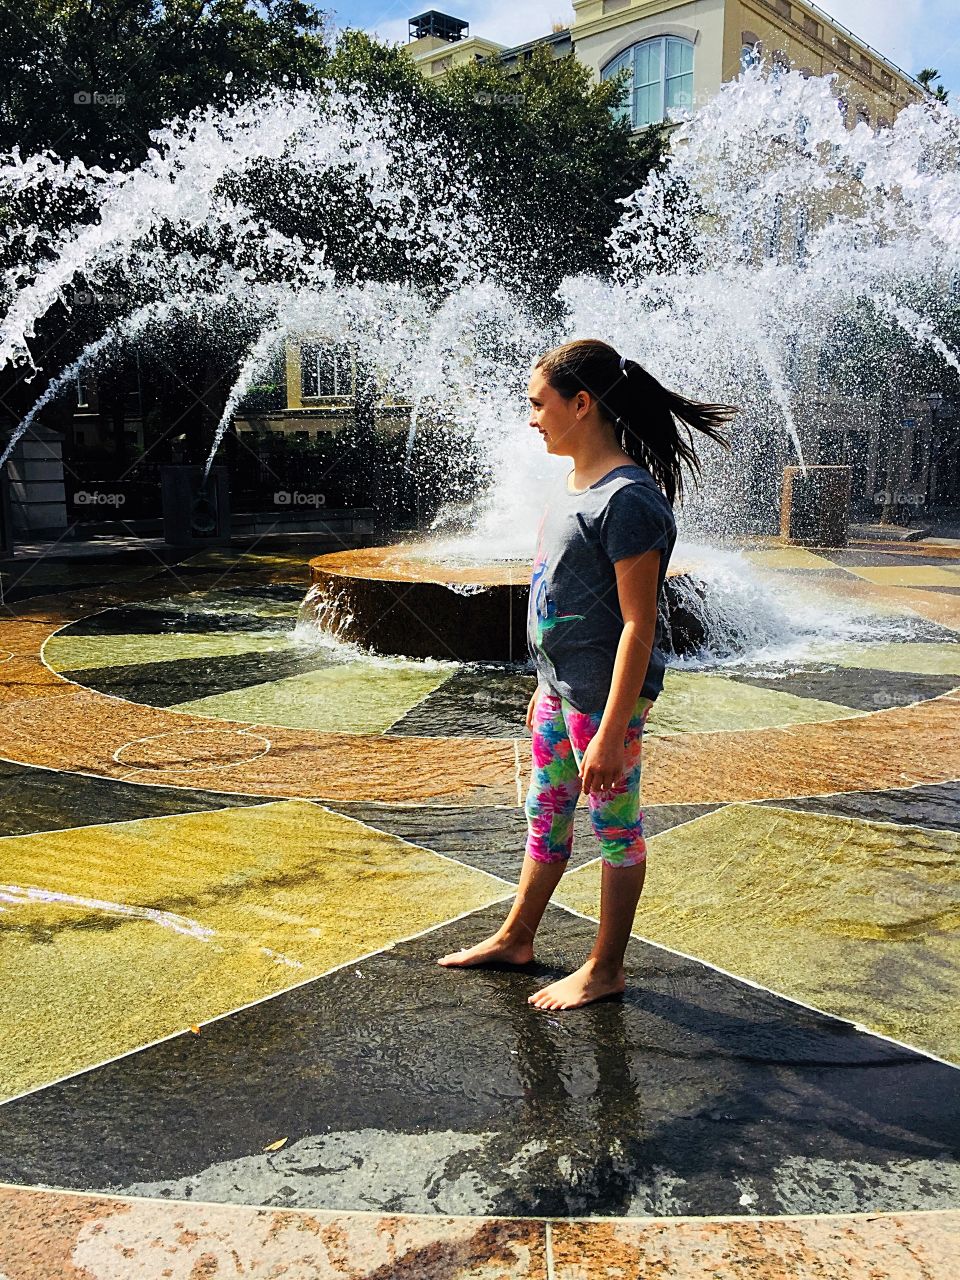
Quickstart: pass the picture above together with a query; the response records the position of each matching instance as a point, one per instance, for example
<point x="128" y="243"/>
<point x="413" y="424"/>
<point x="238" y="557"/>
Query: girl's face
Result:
<point x="555" y="418"/>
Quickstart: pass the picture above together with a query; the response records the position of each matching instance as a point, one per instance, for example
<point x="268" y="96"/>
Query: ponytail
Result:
<point x="645" y="415"/>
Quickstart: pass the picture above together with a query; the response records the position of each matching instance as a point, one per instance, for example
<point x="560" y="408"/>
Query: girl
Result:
<point x="603" y="546"/>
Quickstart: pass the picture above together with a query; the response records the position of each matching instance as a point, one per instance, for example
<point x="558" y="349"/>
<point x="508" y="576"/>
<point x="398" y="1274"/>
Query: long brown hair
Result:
<point x="645" y="415"/>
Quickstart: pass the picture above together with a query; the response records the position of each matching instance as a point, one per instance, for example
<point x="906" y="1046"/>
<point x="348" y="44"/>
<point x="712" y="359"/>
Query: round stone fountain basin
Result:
<point x="399" y="600"/>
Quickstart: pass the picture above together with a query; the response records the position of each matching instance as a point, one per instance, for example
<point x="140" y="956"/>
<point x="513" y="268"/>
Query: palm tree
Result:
<point x="926" y="78"/>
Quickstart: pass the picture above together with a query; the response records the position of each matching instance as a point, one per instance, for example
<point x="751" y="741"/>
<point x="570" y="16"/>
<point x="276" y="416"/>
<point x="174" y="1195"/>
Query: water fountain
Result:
<point x="724" y="294"/>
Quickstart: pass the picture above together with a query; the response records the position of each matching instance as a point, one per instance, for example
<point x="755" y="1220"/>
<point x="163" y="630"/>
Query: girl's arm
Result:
<point x="637" y="579"/>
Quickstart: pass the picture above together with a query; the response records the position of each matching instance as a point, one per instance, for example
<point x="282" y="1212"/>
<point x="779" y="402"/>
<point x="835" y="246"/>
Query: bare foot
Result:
<point x="585" y="984"/>
<point x="492" y="950"/>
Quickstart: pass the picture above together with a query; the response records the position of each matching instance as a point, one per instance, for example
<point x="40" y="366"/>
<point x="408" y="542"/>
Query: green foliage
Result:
<point x="553" y="158"/>
<point x="148" y="60"/>
<point x="927" y="77"/>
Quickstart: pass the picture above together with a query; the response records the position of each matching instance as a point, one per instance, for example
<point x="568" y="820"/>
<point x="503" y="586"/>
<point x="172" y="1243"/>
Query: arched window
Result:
<point x="750" y="56"/>
<point x="661" y="78"/>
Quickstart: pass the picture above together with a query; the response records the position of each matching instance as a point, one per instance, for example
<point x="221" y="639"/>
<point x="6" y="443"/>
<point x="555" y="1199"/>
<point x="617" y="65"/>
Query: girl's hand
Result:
<point x="602" y="764"/>
<point x="531" y="707"/>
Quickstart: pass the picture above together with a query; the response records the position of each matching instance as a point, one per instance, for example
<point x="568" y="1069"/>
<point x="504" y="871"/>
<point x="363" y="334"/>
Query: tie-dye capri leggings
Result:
<point x="560" y="737"/>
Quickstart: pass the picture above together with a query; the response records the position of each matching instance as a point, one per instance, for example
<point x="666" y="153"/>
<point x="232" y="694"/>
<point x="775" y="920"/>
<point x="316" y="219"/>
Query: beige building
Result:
<point x="679" y="52"/>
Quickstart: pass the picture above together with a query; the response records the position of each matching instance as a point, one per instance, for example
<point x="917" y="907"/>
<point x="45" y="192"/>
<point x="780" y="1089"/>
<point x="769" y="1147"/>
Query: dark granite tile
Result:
<point x="187" y="616"/>
<point x="859" y="687"/>
<point x="493" y="839"/>
<point x="47" y="800"/>
<point x="165" y="684"/>
<point x="661" y="817"/>
<point x="478" y="701"/>
<point x="929" y="805"/>
<point x="911" y="629"/>
<point x="275" y="591"/>
<point x="399" y="1085"/>
<point x="946" y="591"/>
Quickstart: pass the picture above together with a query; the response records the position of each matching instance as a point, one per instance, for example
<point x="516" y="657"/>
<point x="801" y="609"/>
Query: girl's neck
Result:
<point x="587" y="471"/>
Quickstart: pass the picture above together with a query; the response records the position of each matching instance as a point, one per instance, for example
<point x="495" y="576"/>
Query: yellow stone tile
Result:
<point x="692" y="702"/>
<point x="922" y="657"/>
<point x="859" y="919"/>
<point x="114" y="936"/>
<point x="907" y="575"/>
<point x="77" y="653"/>
<point x="788" y="558"/>
<point x="340" y="699"/>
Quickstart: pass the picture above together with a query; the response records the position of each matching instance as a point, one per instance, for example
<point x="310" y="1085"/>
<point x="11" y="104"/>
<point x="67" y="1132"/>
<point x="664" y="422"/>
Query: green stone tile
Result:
<point x="923" y="657"/>
<point x="692" y="702"/>
<point x="347" y="698"/>
<point x="76" y="653"/>
<point x="859" y="919"/>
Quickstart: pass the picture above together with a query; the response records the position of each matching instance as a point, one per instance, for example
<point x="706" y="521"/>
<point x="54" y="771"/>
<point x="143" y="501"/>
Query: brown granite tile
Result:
<point x="921" y="1246"/>
<point x="47" y="1234"/>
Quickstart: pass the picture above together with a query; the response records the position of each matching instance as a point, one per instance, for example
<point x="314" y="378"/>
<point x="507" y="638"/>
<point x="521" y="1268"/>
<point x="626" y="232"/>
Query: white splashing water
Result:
<point x="769" y="222"/>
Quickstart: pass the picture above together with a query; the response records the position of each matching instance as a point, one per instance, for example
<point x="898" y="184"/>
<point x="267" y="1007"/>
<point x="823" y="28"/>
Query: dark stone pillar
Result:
<point x="7" y="541"/>
<point x="195" y="513"/>
<point x="815" y="506"/>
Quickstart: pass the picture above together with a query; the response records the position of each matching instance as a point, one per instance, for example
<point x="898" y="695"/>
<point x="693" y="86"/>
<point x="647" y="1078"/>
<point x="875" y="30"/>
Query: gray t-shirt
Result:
<point x="574" y="620"/>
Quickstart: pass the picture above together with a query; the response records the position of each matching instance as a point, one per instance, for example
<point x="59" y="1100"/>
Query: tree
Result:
<point x="927" y="77"/>
<point x="91" y="78"/>
<point x="554" y="160"/>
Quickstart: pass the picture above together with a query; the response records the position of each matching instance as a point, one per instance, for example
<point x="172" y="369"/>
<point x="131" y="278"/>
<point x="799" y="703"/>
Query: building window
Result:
<point x="781" y="61"/>
<point x="774" y="221"/>
<point x="783" y="8"/>
<point x="843" y="49"/>
<point x="811" y="26"/>
<point x="83" y="394"/>
<point x="801" y="240"/>
<point x="441" y="65"/>
<point x="750" y="56"/>
<point x="886" y="79"/>
<point x="326" y="370"/>
<point x="863" y="115"/>
<point x="661" y="79"/>
<point x="843" y="106"/>
<point x="866" y="66"/>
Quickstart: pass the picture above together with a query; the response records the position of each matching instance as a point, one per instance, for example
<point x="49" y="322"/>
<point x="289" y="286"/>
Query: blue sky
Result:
<point x="913" y="33"/>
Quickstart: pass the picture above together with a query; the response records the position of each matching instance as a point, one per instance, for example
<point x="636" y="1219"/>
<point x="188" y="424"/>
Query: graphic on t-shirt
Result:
<point x="544" y="608"/>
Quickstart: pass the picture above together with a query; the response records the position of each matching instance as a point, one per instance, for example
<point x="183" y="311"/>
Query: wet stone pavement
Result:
<point x="231" y="855"/>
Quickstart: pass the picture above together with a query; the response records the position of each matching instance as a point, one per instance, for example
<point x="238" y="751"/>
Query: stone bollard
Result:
<point x="36" y="489"/>
<point x="815" y="506"/>
<point x="7" y="540"/>
<point x="193" y="514"/>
